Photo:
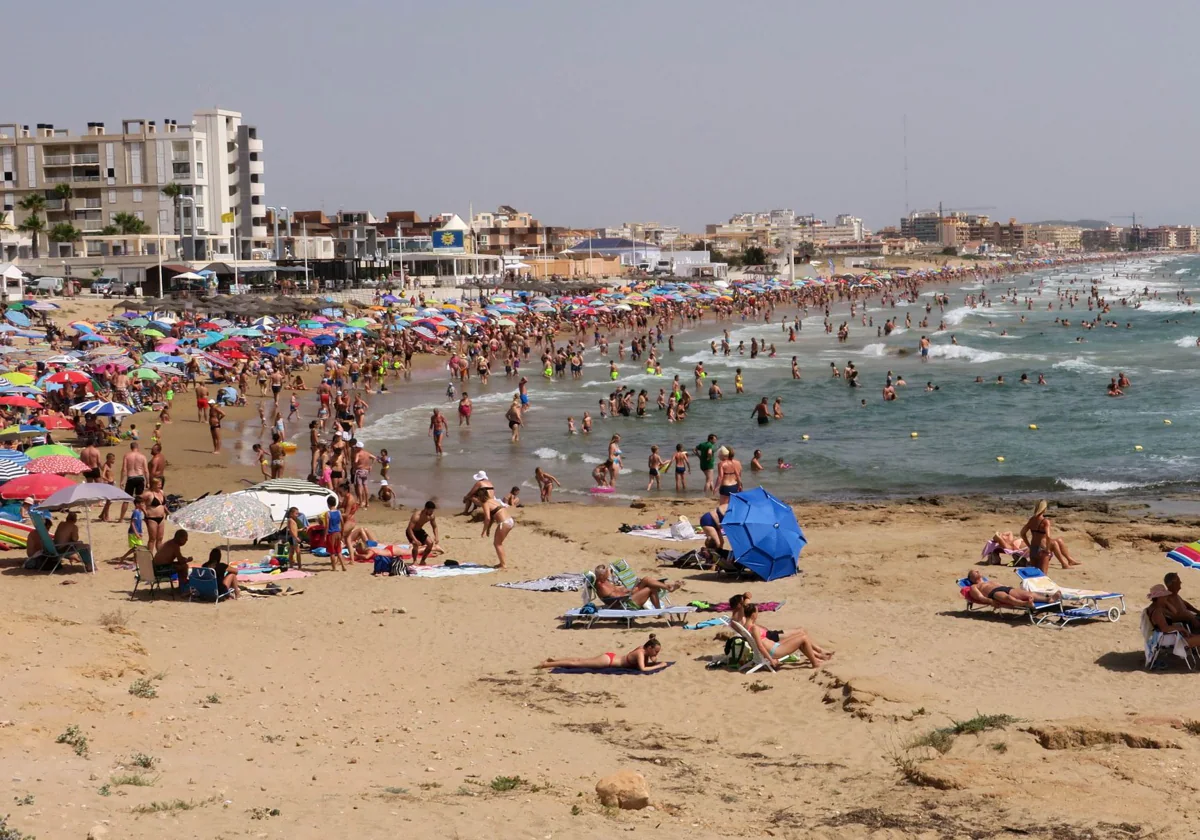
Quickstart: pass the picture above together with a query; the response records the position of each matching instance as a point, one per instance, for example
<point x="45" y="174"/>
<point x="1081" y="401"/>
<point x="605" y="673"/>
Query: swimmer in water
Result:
<point x="783" y="465"/>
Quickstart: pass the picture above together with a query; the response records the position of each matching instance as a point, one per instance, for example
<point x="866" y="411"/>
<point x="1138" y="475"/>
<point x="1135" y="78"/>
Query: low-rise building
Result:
<point x="1056" y="237"/>
<point x="1108" y="238"/>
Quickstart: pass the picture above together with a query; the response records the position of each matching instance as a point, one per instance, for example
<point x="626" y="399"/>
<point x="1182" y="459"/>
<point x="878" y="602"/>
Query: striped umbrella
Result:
<point x="10" y="469"/>
<point x="15" y="455"/>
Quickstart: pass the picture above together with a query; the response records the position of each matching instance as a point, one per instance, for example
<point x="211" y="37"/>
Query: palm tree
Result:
<point x="173" y="191"/>
<point x="109" y="230"/>
<point x="33" y="224"/>
<point x="33" y="203"/>
<point x="65" y="232"/>
<point x="64" y="192"/>
<point x="129" y="224"/>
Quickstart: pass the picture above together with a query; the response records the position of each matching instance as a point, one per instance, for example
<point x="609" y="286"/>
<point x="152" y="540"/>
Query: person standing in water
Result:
<point x="762" y="411"/>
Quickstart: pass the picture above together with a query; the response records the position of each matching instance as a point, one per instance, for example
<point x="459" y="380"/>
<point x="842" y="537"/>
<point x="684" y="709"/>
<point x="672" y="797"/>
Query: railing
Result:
<point x="54" y="204"/>
<point x="181" y="172"/>
<point x="181" y="156"/>
<point x="87" y="158"/>
<point x="90" y="225"/>
<point x="57" y="179"/>
<point x="56" y="160"/>
<point x="92" y="204"/>
<point x="85" y="179"/>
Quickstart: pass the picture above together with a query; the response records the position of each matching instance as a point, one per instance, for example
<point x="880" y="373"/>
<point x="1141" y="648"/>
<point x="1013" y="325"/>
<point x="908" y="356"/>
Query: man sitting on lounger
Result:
<point x="1173" y="609"/>
<point x="646" y="589"/>
<point x="988" y="590"/>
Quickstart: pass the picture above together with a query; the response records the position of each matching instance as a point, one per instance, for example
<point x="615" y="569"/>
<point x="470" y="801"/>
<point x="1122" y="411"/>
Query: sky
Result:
<point x="678" y="111"/>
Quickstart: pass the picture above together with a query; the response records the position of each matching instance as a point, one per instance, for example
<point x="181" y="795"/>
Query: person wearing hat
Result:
<point x="471" y="500"/>
<point x="386" y="494"/>
<point x="1164" y="617"/>
<point x="1041" y="545"/>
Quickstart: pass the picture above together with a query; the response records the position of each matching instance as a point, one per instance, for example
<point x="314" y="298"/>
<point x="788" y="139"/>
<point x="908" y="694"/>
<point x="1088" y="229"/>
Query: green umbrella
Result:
<point x="50" y="449"/>
<point x="358" y="322"/>
<point x="154" y="332"/>
<point x="139" y="322"/>
<point x="145" y="373"/>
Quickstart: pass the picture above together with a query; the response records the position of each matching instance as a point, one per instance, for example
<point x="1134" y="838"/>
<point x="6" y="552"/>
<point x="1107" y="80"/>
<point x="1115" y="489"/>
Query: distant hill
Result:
<point x="1087" y="224"/>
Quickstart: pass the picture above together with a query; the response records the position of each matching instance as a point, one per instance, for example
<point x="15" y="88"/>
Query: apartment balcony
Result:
<point x="53" y="204"/>
<point x="258" y="189"/>
<point x="254" y="145"/>
<point x="258" y="231"/>
<point x="255" y="167"/>
<point x="85" y="179"/>
<point x="57" y="179"/>
<point x="181" y="157"/>
<point x="89" y="203"/>
<point x="56" y="160"/>
<point x="87" y="158"/>
<point x="90" y="225"/>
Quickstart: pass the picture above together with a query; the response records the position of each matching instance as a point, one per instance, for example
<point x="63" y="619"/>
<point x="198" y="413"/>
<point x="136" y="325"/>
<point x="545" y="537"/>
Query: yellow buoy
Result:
<point x="1137" y="447"/>
<point x="803" y="437"/>
<point x="1000" y="458"/>
<point x="912" y="434"/>
<point x="1033" y="426"/>
<point x="1166" y="422"/>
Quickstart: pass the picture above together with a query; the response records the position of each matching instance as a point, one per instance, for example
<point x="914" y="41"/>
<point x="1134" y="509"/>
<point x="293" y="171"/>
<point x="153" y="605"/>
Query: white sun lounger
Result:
<point x="1076" y="604"/>
<point x="594" y="614"/>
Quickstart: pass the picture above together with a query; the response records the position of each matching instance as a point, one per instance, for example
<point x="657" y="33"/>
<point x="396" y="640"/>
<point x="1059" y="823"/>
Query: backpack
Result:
<point x="737" y="652"/>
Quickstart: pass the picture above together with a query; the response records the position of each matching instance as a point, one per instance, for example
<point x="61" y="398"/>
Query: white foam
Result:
<point x="548" y="454"/>
<point x="957" y="315"/>
<point x="1187" y="341"/>
<point x="1089" y="486"/>
<point x="574" y="492"/>
<point x="591" y="459"/>
<point x="874" y="350"/>
<point x="965" y="353"/>
<point x="1166" y="306"/>
<point x="1081" y="365"/>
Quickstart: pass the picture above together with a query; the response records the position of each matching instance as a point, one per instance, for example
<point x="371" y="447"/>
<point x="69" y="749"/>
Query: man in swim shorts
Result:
<point x="416" y="534"/>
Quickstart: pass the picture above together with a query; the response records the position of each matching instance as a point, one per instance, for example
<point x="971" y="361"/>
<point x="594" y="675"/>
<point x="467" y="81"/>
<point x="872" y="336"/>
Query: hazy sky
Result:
<point x="681" y="111"/>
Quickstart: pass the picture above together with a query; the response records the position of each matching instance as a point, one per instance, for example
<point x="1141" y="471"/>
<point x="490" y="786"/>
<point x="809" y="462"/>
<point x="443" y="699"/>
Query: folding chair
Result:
<point x="204" y="586"/>
<point x="145" y="572"/>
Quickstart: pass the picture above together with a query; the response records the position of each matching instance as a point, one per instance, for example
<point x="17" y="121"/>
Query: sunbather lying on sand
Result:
<point x="646" y="589"/>
<point x="984" y="591"/>
<point x="639" y="659"/>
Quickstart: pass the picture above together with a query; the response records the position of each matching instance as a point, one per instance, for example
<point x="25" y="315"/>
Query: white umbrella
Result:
<point x="84" y="496"/>
<point x="232" y="515"/>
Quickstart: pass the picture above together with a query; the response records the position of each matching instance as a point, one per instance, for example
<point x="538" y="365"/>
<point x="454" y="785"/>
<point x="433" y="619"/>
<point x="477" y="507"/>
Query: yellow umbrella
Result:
<point x="17" y="378"/>
<point x="637" y="302"/>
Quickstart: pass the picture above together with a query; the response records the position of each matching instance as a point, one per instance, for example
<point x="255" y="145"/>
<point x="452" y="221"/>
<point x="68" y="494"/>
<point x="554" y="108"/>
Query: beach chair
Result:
<point x="53" y="556"/>
<point x="204" y="586"/>
<point x="590" y="613"/>
<point x="145" y="572"/>
<point x="1076" y="604"/>
<point x="757" y="661"/>
<point x="1159" y="645"/>
<point x="1034" y="612"/>
<point x="994" y="553"/>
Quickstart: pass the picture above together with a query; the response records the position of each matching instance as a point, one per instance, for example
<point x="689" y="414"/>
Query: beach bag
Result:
<point x="398" y="567"/>
<point x="682" y="530"/>
<point x="383" y="565"/>
<point x="737" y="652"/>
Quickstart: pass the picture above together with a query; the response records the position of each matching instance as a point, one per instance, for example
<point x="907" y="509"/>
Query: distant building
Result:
<point x="921" y="225"/>
<point x="509" y="231"/>
<point x="1056" y="237"/>
<point x="1102" y="239"/>
<point x="776" y="228"/>
<point x="654" y="232"/>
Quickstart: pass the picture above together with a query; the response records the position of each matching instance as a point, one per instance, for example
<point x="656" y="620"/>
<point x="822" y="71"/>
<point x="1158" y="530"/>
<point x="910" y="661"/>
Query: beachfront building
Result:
<point x="630" y="252"/>
<point x="653" y="232"/>
<point x="922" y="225"/>
<point x="1102" y="239"/>
<point x="511" y="231"/>
<point x="97" y="179"/>
<point x="775" y="228"/>
<point x="446" y="257"/>
<point x="1056" y="238"/>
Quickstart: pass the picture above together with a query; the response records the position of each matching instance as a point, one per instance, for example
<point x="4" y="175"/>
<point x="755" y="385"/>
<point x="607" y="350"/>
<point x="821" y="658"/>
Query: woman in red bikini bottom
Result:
<point x="642" y="658"/>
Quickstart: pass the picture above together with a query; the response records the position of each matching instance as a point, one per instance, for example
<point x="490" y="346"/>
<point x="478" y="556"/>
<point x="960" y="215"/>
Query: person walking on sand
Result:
<point x="437" y="428"/>
<point x="362" y="473"/>
<point x="655" y="464"/>
<point x="215" y="415"/>
<point x="201" y="403"/>
<point x="708" y="462"/>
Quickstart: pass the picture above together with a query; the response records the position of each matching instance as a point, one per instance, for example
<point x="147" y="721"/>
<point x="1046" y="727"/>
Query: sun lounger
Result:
<point x="995" y="554"/>
<point x="1076" y="604"/>
<point x="757" y="660"/>
<point x="1159" y="644"/>
<point x="591" y="613"/>
<point x="1033" y="612"/>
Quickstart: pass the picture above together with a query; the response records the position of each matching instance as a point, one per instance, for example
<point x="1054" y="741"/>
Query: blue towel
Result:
<point x="708" y="622"/>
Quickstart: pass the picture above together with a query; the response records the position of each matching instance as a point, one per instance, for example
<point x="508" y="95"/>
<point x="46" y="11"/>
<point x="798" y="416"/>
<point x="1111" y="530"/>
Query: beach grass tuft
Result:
<point x="143" y="688"/>
<point x="72" y="736"/>
<point x="501" y="784"/>
<point x="982" y="723"/>
<point x="940" y="739"/>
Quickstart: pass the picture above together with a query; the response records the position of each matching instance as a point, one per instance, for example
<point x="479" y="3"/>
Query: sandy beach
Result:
<point x="373" y="707"/>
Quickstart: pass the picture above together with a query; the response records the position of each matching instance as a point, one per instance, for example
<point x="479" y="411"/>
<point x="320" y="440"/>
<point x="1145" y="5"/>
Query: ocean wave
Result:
<point x="965" y="353"/>
<point x="663" y="379"/>
<point x="1081" y="365"/>
<point x="1087" y="485"/>
<point x="957" y="315"/>
<point x="548" y="454"/>
<point x="574" y="492"/>
<point x="874" y="350"/>
<point x="1187" y="341"/>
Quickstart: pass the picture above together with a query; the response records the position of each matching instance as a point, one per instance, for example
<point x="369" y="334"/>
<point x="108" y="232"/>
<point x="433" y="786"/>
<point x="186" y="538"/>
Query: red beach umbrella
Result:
<point x="20" y="402"/>
<point x="56" y="465"/>
<point x="39" y="487"/>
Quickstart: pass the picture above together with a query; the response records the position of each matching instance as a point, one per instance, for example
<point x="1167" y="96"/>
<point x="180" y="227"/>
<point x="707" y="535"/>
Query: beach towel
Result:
<point x="1042" y="585"/>
<point x="669" y="534"/>
<point x="765" y="606"/>
<point x="449" y="571"/>
<point x="708" y="622"/>
<point x="259" y="576"/>
<point x="616" y="672"/>
<point x="992" y="551"/>
<point x="565" y="582"/>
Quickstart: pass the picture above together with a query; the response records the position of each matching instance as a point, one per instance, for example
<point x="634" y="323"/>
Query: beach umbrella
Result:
<point x="50" y="449"/>
<point x="1187" y="555"/>
<point x="17" y="378"/>
<point x="279" y="494"/>
<point x="16" y="317"/>
<point x="14" y="455"/>
<point x="300" y="341"/>
<point x="10" y="469"/>
<point x="106" y="409"/>
<point x="98" y="339"/>
<point x="763" y="534"/>
<point x="55" y="421"/>
<point x="57" y="465"/>
<point x="72" y="377"/>
<point x="145" y="373"/>
<point x="84" y="496"/>
<point x="38" y="487"/>
<point x="82" y="326"/>
<point x="234" y="516"/>
<point x="151" y="331"/>
<point x="19" y="402"/>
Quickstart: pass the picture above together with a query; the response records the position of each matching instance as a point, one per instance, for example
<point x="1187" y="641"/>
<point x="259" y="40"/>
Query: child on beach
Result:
<point x="655" y="463"/>
<point x="587" y="423"/>
<point x="737" y="381"/>
<point x="783" y="465"/>
<point x="295" y="407"/>
<point x="546" y="483"/>
<point x="385" y="464"/>
<point x="662" y="399"/>
<point x="513" y="499"/>
<point x="136" y="535"/>
<point x="603" y="409"/>
<point x="682" y="468"/>
<point x="333" y="535"/>
<point x="570" y="425"/>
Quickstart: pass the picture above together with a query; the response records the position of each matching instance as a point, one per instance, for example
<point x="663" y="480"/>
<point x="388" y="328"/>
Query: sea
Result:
<point x="968" y="435"/>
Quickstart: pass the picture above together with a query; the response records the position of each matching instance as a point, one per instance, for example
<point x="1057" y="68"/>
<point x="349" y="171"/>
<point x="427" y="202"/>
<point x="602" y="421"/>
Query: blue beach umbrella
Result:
<point x="763" y="534"/>
<point x="16" y="318"/>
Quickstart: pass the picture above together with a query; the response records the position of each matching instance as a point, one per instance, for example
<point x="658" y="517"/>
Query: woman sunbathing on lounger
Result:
<point x="782" y="645"/>
<point x="989" y="592"/>
<point x="639" y="659"/>
<point x="1041" y="545"/>
<point x="646" y="589"/>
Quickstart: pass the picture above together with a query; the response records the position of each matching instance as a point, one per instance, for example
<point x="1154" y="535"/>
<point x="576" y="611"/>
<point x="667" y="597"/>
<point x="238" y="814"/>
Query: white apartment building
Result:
<point x="775" y="226"/>
<point x="654" y="232"/>
<point x="216" y="160"/>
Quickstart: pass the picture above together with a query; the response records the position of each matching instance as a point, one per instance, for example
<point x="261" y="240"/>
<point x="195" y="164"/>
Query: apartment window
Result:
<point x="94" y="249"/>
<point x="137" y="195"/>
<point x="164" y="218"/>
<point x="10" y="201"/>
<point x="199" y="148"/>
<point x="112" y="196"/>
<point x="199" y="169"/>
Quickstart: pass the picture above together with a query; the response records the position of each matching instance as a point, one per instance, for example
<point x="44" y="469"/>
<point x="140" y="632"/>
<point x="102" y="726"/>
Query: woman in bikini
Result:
<point x="1041" y="545"/>
<point x="776" y="645"/>
<point x="155" y="504"/>
<point x="710" y="524"/>
<point x="644" y="658"/>
<point x="729" y="475"/>
<point x="496" y="513"/>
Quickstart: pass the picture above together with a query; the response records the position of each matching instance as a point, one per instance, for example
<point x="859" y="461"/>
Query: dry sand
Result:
<point x="384" y="707"/>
